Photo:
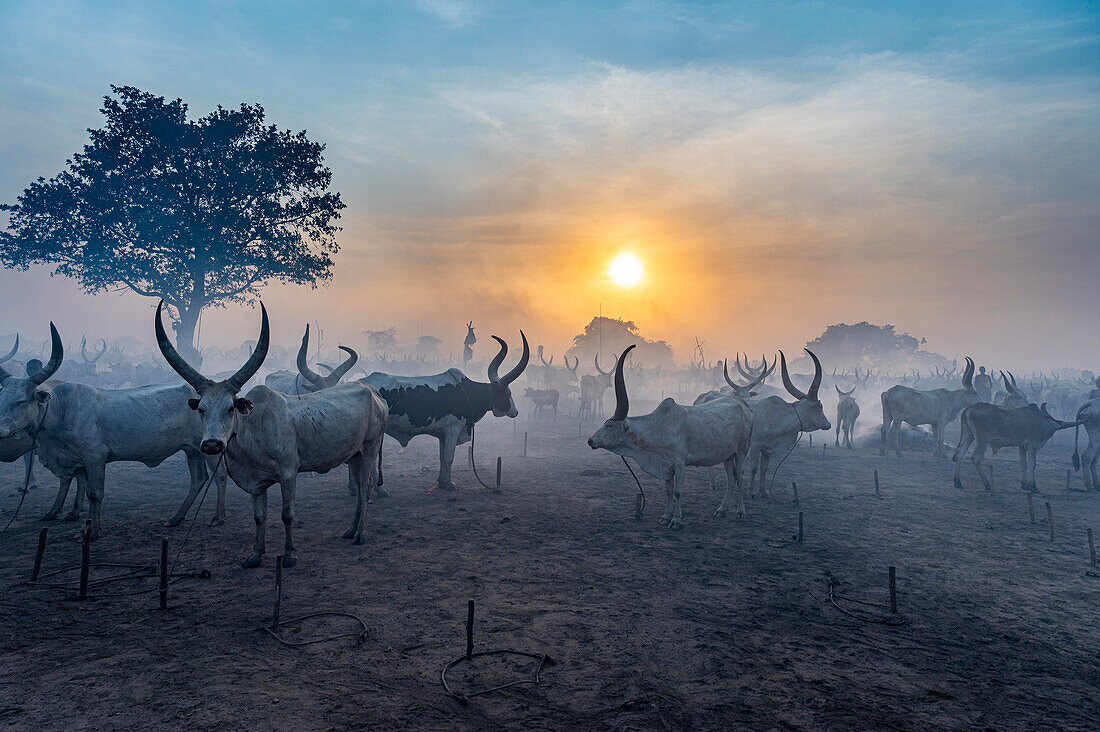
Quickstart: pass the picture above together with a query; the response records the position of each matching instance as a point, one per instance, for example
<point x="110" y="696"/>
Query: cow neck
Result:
<point x="477" y="391"/>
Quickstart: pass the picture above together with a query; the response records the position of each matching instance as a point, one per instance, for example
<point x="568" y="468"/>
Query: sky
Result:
<point x="776" y="166"/>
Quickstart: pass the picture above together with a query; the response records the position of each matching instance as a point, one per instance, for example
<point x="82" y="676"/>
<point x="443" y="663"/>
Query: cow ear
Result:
<point x="244" y="406"/>
<point x="42" y="396"/>
<point x="193" y="403"/>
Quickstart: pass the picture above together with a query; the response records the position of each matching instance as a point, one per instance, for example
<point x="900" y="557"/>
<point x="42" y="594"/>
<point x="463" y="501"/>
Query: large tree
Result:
<point x="866" y="344"/>
<point x="615" y="334"/>
<point x="198" y="212"/>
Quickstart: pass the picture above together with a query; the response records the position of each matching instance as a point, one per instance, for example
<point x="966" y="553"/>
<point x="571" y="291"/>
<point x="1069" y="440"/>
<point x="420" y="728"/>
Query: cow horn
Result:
<point x="57" y="355"/>
<point x="790" y="387"/>
<point x="326" y="367"/>
<point x="345" y="367"/>
<point x="602" y="372"/>
<point x="303" y="367"/>
<point x="197" y="381"/>
<point x="252" y="365"/>
<point x="622" y="403"/>
<point x="1008" y="386"/>
<point x="1011" y="376"/>
<point x="968" y="375"/>
<point x="83" y="353"/>
<point x="816" y="383"/>
<point x="740" y="369"/>
<point x="14" y="350"/>
<point x="519" y="367"/>
<point x="494" y="365"/>
<point x="768" y="371"/>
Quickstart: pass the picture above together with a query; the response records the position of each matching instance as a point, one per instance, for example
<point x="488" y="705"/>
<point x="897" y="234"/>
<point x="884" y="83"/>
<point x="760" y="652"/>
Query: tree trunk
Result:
<point x="185" y="335"/>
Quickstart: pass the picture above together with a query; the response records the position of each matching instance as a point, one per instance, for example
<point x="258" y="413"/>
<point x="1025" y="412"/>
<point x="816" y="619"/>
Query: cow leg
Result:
<point x="28" y="467"/>
<point x="259" y="513"/>
<point x="447" y="445"/>
<point x="287" y="486"/>
<point x="765" y="461"/>
<point x="838" y="429"/>
<point x="895" y="436"/>
<point x="221" y="475"/>
<point x="1032" y="454"/>
<point x="937" y="440"/>
<point x="196" y="467"/>
<point x="677" y="521"/>
<point x="713" y="480"/>
<point x="1092" y="452"/>
<point x="78" y="502"/>
<point x="960" y="452"/>
<point x="355" y="480"/>
<point x="977" y="458"/>
<point x="733" y="478"/>
<point x="670" y="490"/>
<point x="59" y="500"/>
<point x="848" y="433"/>
<point x="96" y="478"/>
<point x="754" y="464"/>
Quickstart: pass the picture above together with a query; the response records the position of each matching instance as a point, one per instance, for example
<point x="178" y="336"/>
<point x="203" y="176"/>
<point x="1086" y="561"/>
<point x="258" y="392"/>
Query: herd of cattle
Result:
<point x="303" y="421"/>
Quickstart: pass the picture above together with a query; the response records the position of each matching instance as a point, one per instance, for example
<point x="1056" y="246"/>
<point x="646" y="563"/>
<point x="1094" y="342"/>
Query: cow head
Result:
<point x="218" y="405"/>
<point x="616" y="430"/>
<point x="314" y="381"/>
<point x="844" y="394"/>
<point x="744" y="391"/>
<point x="1089" y="412"/>
<point x="501" y="397"/>
<point x="21" y="401"/>
<point x="811" y="414"/>
<point x="572" y="369"/>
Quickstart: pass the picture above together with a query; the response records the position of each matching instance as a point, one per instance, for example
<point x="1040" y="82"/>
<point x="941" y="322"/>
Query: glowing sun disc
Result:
<point x="626" y="270"/>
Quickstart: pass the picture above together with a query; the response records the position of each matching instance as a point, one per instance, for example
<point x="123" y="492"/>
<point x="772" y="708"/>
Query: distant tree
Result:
<point x="864" y="344"/>
<point x="616" y="335"/>
<point x="427" y="347"/>
<point x="381" y="341"/>
<point x="198" y="212"/>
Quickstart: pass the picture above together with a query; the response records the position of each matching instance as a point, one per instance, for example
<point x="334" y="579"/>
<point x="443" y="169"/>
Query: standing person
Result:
<point x="983" y="385"/>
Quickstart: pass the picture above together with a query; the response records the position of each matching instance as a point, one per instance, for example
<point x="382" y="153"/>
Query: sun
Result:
<point x="626" y="270"/>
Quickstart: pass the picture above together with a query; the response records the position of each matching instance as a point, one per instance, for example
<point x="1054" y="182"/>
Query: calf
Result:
<point x="268" y="437"/>
<point x="1028" y="428"/>
<point x="543" y="398"/>
<point x="672" y="437"/>
<point x="847" y="412"/>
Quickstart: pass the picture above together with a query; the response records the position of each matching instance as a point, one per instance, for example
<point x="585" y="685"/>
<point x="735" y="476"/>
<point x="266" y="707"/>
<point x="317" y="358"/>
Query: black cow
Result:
<point x="448" y="405"/>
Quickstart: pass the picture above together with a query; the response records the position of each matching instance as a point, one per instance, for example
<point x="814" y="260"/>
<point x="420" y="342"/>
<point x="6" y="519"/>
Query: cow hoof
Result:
<point x="958" y="483"/>
<point x="740" y="514"/>
<point x="359" y="539"/>
<point x="349" y="533"/>
<point x="663" y="521"/>
<point x="676" y="524"/>
<point x="289" y="560"/>
<point x="255" y="559"/>
<point x="173" y="522"/>
<point x="720" y="513"/>
<point x="50" y="516"/>
<point x="382" y="493"/>
<point x="71" y="516"/>
<point x="217" y="521"/>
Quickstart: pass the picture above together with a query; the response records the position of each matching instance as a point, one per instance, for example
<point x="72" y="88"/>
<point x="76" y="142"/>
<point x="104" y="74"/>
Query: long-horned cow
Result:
<point x="448" y="405"/>
<point x="936" y="407"/>
<point x="778" y="424"/>
<point x="306" y="380"/>
<point x="268" y="437"/>
<point x="847" y="412"/>
<point x="592" y="388"/>
<point x="1089" y="417"/>
<point x="78" y="429"/>
<point x="989" y="425"/>
<point x="673" y="437"/>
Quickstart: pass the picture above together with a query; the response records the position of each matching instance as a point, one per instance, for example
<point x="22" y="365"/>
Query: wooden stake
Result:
<point x="823" y="451"/>
<point x="524" y="444"/>
<point x="1050" y="521"/>
<point x="470" y="630"/>
<point x="794" y="488"/>
<point x="163" y="574"/>
<point x="1068" y="474"/>
<point x="1030" y="510"/>
<point x="893" y="591"/>
<point x="811" y="440"/>
<point x="278" y="591"/>
<point x="497" y="489"/>
<point x="992" y="479"/>
<point x="1092" y="548"/>
<point x="799" y="527"/>
<point x="878" y="491"/>
<point x="38" y="555"/>
<point x="85" y="559"/>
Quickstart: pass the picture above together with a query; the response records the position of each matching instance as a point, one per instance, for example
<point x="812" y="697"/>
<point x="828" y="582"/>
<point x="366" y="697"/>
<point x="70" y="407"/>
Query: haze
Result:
<point x="776" y="168"/>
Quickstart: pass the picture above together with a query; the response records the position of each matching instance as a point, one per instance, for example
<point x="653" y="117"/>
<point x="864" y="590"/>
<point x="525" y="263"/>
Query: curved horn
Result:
<point x="345" y="367"/>
<point x="622" y="403"/>
<point x="83" y="353"/>
<point x="494" y="365"/>
<point x="737" y="388"/>
<point x="573" y="368"/>
<point x="551" y="361"/>
<point x="1008" y="387"/>
<point x="790" y="387"/>
<point x="252" y="365"/>
<point x="968" y="375"/>
<point x="602" y="372"/>
<point x="816" y="383"/>
<point x="303" y="367"/>
<point x="57" y="355"/>
<point x="197" y="381"/>
<point x="764" y="360"/>
<point x="103" y="350"/>
<point x="14" y="350"/>
<point x="1010" y="375"/>
<point x="519" y="367"/>
<point x="326" y="367"/>
<point x="737" y="363"/>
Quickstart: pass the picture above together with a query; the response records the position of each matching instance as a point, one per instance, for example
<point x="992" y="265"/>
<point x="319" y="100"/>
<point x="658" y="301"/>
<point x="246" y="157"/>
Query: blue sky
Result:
<point x="779" y="166"/>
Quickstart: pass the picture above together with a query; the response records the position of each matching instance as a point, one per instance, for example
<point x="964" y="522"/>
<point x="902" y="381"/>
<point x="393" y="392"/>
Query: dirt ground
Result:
<point x="713" y="626"/>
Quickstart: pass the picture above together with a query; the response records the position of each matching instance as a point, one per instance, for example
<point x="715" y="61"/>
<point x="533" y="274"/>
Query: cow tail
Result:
<point x="380" y="443"/>
<point x="1076" y="459"/>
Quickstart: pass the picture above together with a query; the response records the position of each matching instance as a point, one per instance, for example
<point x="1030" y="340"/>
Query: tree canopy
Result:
<point x="617" y="334"/>
<point x="864" y="344"/>
<point x="197" y="212"/>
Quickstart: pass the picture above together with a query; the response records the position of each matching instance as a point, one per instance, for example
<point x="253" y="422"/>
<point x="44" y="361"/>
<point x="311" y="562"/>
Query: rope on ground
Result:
<point x="22" y="494"/>
<point x="641" y="492"/>
<point x="474" y="464"/>
<point x="892" y="619"/>
<point x="360" y="635"/>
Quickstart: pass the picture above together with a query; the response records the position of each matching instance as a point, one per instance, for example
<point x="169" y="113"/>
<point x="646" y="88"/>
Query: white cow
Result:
<point x="1089" y="417"/>
<point x="78" y="429"/>
<point x="936" y="407"/>
<point x="268" y="437"/>
<point x="847" y="412"/>
<point x="306" y="379"/>
<point x="673" y="437"/>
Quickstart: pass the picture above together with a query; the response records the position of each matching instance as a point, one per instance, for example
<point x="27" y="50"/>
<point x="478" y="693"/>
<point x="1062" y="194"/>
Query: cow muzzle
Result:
<point x="213" y="447"/>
